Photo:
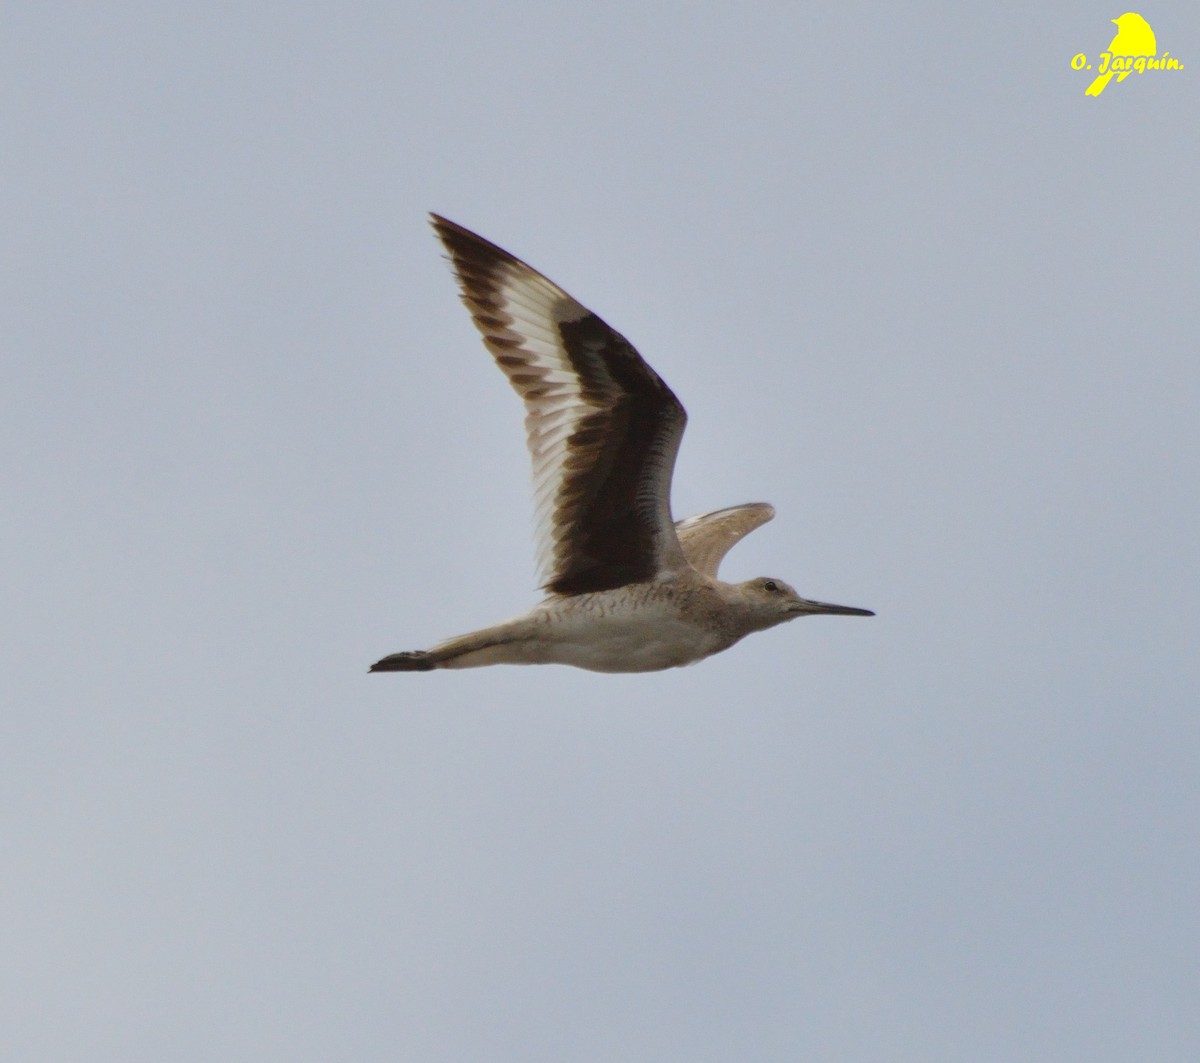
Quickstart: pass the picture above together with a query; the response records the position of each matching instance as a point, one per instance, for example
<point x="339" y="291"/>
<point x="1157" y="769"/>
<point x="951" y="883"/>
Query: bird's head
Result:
<point x="771" y="601"/>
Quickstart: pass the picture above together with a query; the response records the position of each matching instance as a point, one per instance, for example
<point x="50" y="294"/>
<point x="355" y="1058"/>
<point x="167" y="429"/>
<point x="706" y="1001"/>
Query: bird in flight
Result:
<point x="1134" y="38"/>
<point x="629" y="589"/>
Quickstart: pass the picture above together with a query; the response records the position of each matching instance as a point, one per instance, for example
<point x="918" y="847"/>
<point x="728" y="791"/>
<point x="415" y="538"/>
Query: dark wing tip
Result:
<point x="411" y="661"/>
<point x="444" y="226"/>
<point x="464" y="245"/>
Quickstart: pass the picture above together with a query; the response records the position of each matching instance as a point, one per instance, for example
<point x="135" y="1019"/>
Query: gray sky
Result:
<point x="915" y="289"/>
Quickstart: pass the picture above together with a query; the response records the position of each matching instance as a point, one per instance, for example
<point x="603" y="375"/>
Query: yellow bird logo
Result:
<point x="1134" y="38"/>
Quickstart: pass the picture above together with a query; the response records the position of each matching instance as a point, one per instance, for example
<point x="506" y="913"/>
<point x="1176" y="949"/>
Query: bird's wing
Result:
<point x="602" y="428"/>
<point x="707" y="538"/>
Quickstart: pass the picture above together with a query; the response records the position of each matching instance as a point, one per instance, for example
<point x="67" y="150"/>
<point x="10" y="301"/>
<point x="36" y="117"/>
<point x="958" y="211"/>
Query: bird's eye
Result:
<point x="770" y="585"/>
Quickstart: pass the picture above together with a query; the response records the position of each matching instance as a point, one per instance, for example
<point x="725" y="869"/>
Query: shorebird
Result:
<point x="629" y="589"/>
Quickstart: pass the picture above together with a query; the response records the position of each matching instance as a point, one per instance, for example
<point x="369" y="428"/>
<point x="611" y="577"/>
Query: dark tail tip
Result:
<point x="412" y="661"/>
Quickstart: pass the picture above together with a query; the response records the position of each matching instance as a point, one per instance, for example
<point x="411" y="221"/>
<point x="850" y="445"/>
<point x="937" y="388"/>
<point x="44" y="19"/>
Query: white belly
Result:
<point x="611" y="639"/>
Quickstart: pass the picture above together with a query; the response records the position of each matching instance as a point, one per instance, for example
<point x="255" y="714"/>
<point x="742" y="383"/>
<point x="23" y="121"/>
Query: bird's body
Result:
<point x="630" y="589"/>
<point x="1134" y="38"/>
<point x="643" y="627"/>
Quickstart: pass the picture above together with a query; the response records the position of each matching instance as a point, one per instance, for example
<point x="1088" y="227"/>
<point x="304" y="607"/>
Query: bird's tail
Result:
<point x="506" y="643"/>
<point x="1097" y="86"/>
<point x="408" y="661"/>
